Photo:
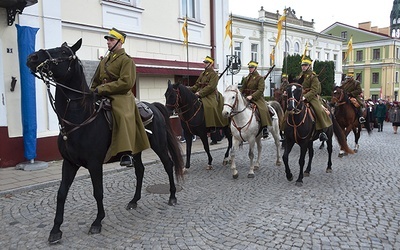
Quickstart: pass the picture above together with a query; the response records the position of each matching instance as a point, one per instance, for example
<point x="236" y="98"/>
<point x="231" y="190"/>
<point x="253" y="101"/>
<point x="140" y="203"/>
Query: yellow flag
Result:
<point x="349" y="48"/>
<point x="185" y="32"/>
<point x="272" y="56"/>
<point x="228" y="31"/>
<point x="279" y="25"/>
<point x="305" y="52"/>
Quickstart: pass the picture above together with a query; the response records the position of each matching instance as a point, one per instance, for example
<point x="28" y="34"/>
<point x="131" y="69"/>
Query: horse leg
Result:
<point x="204" y="140"/>
<point x="68" y="174"/>
<point x="303" y="151"/>
<point x="310" y="158"/>
<point x="275" y="133"/>
<point x="228" y="136"/>
<point x="357" y="134"/>
<point x="285" y="157"/>
<point x="330" y="150"/>
<point x="96" y="175"/>
<point x="168" y="166"/>
<point x="139" y="172"/>
<point x="259" y="149"/>
<point x="251" y="157"/>
<point x="235" y="147"/>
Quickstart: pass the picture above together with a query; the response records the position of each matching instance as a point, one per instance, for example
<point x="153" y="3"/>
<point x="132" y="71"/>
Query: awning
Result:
<point x="165" y="67"/>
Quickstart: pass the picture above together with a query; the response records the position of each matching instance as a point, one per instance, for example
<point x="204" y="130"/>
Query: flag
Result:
<point x="305" y="52"/>
<point x="279" y="25"/>
<point x="228" y="31"/>
<point x="272" y="56"/>
<point x="185" y="32"/>
<point x="349" y="48"/>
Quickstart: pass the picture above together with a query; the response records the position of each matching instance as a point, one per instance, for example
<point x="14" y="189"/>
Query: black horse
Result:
<point x="190" y="110"/>
<point x="300" y="129"/>
<point x="85" y="133"/>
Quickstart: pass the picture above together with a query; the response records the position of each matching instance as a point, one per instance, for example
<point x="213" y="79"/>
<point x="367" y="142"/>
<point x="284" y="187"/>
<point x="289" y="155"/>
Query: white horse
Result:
<point x="246" y="127"/>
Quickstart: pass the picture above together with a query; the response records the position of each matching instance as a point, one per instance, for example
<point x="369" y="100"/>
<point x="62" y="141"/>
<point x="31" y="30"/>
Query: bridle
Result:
<point x="298" y="109"/>
<point x="235" y="112"/>
<point x="44" y="73"/>
<point x="338" y="101"/>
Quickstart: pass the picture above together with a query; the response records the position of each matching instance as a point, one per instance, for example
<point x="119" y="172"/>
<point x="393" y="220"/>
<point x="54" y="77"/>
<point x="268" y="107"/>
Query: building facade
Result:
<point x="154" y="40"/>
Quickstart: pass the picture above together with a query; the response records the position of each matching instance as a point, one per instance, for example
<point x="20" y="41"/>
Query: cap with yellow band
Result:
<point x="252" y="64"/>
<point x="208" y="59"/>
<point x="116" y="34"/>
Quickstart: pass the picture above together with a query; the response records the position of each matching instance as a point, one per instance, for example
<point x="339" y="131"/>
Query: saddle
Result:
<point x="146" y="114"/>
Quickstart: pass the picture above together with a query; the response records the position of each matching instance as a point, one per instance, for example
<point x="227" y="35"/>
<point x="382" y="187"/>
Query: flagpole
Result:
<point x="231" y="42"/>
<point x="285" y="41"/>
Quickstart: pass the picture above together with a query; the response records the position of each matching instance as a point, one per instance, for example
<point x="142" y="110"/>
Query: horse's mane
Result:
<point x="185" y="92"/>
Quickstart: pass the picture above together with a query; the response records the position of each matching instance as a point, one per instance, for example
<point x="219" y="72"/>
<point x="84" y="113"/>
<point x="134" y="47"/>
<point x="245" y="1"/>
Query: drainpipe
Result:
<point x="212" y="25"/>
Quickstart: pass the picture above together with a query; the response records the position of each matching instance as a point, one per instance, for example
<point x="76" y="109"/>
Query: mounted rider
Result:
<point x="352" y="88"/>
<point x="206" y="89"/>
<point x="284" y="83"/>
<point x="253" y="86"/>
<point x="311" y="94"/>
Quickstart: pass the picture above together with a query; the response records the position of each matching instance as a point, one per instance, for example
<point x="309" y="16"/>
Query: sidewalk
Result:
<point x="13" y="180"/>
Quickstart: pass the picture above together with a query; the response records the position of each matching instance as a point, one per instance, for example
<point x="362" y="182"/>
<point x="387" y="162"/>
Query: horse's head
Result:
<point x="231" y="95"/>
<point x="294" y="97"/>
<point x="338" y="96"/>
<point x="171" y="96"/>
<point x="54" y="63"/>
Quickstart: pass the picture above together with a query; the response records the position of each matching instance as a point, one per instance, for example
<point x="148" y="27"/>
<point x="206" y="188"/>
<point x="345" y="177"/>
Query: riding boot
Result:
<point x="323" y="136"/>
<point x="265" y="132"/>
<point x="126" y="160"/>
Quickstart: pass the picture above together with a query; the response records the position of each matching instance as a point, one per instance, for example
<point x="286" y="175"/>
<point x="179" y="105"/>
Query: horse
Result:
<point x="300" y="129"/>
<point x="280" y="98"/>
<point x="190" y="110"/>
<point x="246" y="127"/>
<point x="85" y="133"/>
<point x="346" y="115"/>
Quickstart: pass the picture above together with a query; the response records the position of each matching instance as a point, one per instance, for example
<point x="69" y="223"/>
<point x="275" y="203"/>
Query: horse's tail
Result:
<point x="173" y="146"/>
<point x="340" y="136"/>
<point x="278" y="109"/>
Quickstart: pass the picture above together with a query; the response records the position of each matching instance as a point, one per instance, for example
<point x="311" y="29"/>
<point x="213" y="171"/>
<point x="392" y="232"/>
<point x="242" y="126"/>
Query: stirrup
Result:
<point x="265" y="133"/>
<point x="361" y="119"/>
<point x="323" y="136"/>
<point x="126" y="161"/>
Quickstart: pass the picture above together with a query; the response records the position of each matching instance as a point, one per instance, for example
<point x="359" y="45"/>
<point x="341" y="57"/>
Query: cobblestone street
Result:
<point x="355" y="207"/>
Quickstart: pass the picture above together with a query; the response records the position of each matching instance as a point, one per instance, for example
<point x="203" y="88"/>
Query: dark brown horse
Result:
<point x="346" y="115"/>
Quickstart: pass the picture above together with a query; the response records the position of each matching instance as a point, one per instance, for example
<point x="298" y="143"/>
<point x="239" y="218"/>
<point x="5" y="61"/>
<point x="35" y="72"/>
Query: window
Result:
<point x="375" y="78"/>
<point x="254" y="52"/>
<point x="397" y="77"/>
<point x="343" y="55"/>
<point x="326" y="56"/>
<point x="238" y="50"/>
<point x="376" y="54"/>
<point x="318" y="55"/>
<point x="127" y="2"/>
<point x="343" y="34"/>
<point x="287" y="47"/>
<point x="190" y="8"/>
<point x="296" y="48"/>
<point x="359" y="56"/>
<point x="397" y="53"/>
<point x="335" y="56"/>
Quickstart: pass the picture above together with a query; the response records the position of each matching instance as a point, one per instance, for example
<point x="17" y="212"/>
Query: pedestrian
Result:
<point x="370" y="113"/>
<point x="394" y="116"/>
<point x="114" y="78"/>
<point x="253" y="87"/>
<point x="311" y="94"/>
<point x="380" y="114"/>
<point x="353" y="90"/>
<point x="206" y="89"/>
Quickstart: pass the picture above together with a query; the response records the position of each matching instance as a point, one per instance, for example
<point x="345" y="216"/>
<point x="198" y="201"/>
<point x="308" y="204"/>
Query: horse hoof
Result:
<point x="289" y="177"/>
<point x="55" y="238"/>
<point x="321" y="147"/>
<point x="355" y="150"/>
<point x="299" y="184"/>
<point x="278" y="163"/>
<point x="340" y="155"/>
<point x="235" y="176"/>
<point x="256" y="167"/>
<point x="172" y="202"/>
<point x="95" y="229"/>
<point x="329" y="170"/>
<point x="306" y="174"/>
<point x="250" y="176"/>
<point x="209" y="167"/>
<point x="185" y="170"/>
<point x="131" y="206"/>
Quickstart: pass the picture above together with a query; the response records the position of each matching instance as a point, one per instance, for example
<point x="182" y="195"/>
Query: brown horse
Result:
<point x="281" y="98"/>
<point x="346" y="115"/>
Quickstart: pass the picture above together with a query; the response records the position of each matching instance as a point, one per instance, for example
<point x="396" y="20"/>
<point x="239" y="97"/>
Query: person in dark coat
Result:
<point x="394" y="116"/>
<point x="380" y="114"/>
<point x="114" y="78"/>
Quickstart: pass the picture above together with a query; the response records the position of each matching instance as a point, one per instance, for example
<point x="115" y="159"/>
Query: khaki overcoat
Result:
<point x="253" y="84"/>
<point x="353" y="88"/>
<point x="115" y="77"/>
<point x="311" y="91"/>
<point x="212" y="99"/>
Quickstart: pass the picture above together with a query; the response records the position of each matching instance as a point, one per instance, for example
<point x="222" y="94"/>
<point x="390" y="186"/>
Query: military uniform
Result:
<point x="311" y="92"/>
<point x="253" y="84"/>
<point x="212" y="99"/>
<point x="115" y="77"/>
<point x="352" y="88"/>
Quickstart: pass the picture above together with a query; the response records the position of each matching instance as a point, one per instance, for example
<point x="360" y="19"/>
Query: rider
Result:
<point x="114" y="78"/>
<point x="206" y="89"/>
<point x="352" y="88"/>
<point x="253" y="88"/>
<point x="284" y="83"/>
<point x="311" y="91"/>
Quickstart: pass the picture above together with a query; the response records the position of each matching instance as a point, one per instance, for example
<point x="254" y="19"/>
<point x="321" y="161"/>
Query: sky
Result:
<point x="324" y="12"/>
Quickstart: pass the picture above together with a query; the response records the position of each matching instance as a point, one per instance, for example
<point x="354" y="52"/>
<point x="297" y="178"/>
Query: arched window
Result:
<point x="296" y="48"/>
